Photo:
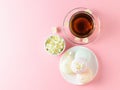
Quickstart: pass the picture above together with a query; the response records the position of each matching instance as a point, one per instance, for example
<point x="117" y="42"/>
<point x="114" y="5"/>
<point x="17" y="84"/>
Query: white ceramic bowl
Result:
<point x="55" y="45"/>
<point x="71" y="73"/>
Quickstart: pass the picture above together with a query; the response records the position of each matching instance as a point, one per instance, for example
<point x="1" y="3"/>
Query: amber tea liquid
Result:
<point x="81" y="24"/>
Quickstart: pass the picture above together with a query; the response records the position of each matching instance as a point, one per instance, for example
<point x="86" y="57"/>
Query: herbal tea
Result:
<point x="81" y="24"/>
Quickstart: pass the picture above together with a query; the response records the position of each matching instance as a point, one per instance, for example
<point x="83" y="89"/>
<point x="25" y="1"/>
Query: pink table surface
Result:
<point x="25" y="24"/>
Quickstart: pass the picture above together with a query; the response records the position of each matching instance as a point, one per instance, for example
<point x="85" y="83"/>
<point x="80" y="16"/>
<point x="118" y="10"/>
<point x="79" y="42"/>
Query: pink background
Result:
<point x="25" y="24"/>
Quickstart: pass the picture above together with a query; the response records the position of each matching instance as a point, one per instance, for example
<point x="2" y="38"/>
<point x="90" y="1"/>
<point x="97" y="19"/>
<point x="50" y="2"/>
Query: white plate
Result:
<point x="67" y="68"/>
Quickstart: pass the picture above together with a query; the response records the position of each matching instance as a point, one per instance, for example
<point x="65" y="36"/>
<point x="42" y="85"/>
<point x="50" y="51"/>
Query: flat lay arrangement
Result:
<point x="78" y="65"/>
<point x="59" y="44"/>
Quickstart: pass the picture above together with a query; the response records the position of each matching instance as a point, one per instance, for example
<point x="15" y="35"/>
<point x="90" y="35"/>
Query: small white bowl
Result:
<point x="64" y="46"/>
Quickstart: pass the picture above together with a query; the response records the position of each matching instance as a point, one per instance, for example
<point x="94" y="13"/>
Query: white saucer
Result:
<point x="68" y="69"/>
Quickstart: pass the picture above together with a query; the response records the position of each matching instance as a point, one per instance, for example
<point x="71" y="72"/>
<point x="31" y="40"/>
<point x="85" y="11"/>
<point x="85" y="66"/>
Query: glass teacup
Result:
<point x="81" y="25"/>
